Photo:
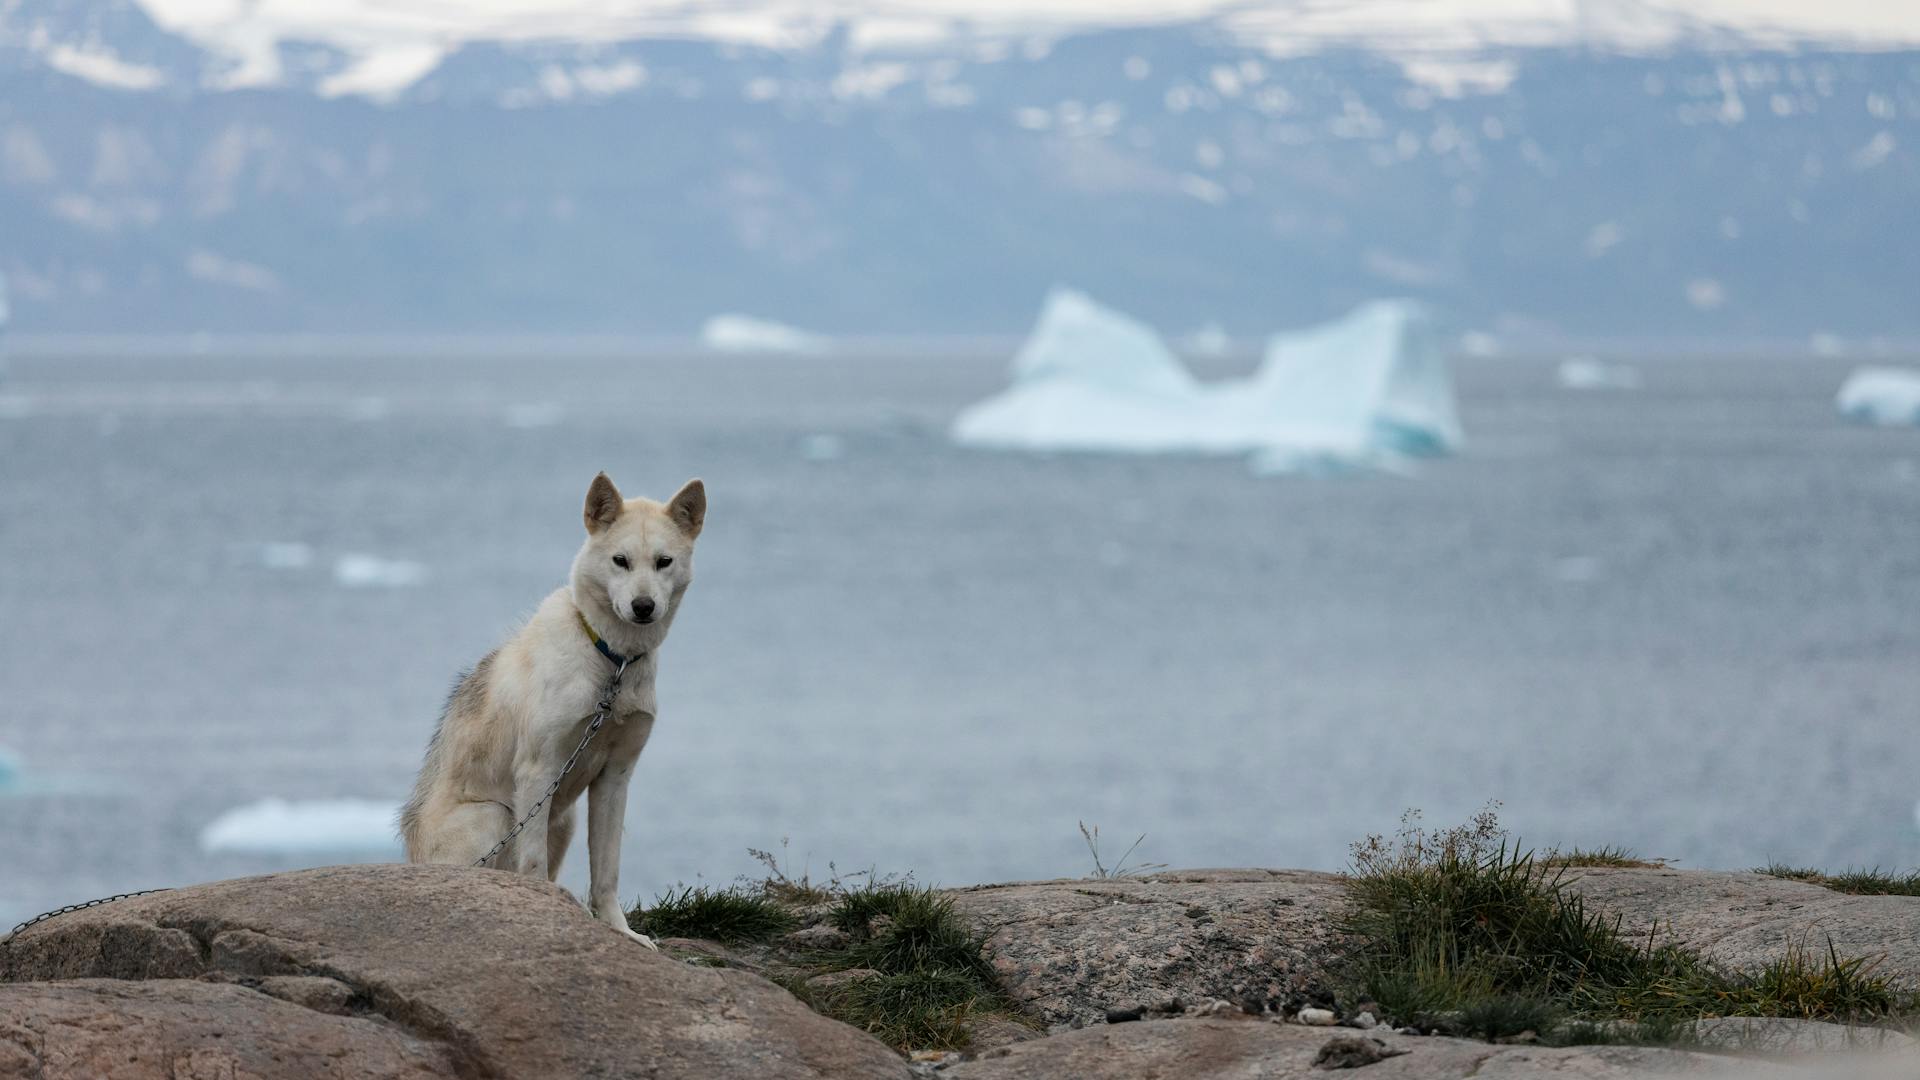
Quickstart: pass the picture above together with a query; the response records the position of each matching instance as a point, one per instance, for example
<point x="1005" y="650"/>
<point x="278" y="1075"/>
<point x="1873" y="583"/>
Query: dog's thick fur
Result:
<point x="511" y="722"/>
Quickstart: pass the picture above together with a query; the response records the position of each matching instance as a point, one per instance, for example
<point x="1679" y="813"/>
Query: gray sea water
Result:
<point x="1684" y="619"/>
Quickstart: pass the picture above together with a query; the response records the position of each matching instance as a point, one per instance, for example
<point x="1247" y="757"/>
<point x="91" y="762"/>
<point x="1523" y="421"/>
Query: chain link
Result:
<point x="603" y="707"/>
<point x="57" y="912"/>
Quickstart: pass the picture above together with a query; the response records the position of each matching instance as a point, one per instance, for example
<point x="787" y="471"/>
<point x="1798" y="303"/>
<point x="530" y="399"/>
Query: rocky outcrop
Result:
<point x="391" y="971"/>
<point x="1744" y="920"/>
<point x="1782" y="1037"/>
<point x="1232" y="1049"/>
<point x="404" y="971"/>
<point x="1073" y="950"/>
<point x="174" y="1028"/>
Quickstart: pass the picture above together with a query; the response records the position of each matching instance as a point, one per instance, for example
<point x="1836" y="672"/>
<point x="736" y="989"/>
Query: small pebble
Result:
<point x="1316" y="1017"/>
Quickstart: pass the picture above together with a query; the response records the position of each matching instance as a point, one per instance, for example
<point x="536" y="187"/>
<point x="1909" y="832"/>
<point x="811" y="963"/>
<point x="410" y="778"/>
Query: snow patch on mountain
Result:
<point x="385" y="73"/>
<point x="103" y="68"/>
<point x="1443" y="45"/>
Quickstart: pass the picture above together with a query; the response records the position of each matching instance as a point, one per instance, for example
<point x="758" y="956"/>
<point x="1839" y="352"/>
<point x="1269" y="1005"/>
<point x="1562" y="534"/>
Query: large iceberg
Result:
<point x="746" y="334"/>
<point x="1371" y="389"/>
<point x="1881" y="395"/>
<point x="279" y="827"/>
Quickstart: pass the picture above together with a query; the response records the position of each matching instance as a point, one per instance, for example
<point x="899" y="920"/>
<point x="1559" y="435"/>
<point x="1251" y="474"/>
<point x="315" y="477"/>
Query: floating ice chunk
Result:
<point x="276" y="826"/>
<point x="1881" y="395"/>
<point x="1367" y="391"/>
<point x="1078" y="340"/>
<point x="373" y="572"/>
<point x="1374" y="383"/>
<point x="746" y="334"/>
<point x="1587" y="373"/>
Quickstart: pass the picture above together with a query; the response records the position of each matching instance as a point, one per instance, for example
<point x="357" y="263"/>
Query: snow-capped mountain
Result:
<point x="1598" y="177"/>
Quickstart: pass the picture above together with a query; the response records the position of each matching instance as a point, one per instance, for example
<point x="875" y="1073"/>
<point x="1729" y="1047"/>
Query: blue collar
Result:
<point x="600" y="643"/>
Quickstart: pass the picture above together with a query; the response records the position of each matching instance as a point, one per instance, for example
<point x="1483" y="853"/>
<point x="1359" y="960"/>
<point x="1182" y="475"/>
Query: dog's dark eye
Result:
<point x="621" y="562"/>
<point x="663" y="562"/>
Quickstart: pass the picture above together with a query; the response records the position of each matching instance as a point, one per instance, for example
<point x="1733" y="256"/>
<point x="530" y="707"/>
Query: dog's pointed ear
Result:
<point x="603" y="504"/>
<point x="689" y="507"/>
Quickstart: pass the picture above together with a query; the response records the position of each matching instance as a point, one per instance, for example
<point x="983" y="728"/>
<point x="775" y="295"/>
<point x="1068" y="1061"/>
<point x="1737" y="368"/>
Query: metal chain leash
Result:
<point x="57" y="912"/>
<point x="603" y="709"/>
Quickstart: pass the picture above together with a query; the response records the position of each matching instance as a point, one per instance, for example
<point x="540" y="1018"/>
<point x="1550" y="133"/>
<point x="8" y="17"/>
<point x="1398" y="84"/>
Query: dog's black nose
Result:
<point x="643" y="608"/>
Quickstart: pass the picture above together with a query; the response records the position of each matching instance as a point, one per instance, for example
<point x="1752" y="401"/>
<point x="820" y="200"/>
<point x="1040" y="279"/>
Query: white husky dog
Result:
<point x="512" y="721"/>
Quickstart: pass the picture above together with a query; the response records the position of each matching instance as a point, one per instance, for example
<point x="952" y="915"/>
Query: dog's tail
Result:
<point x="469" y="692"/>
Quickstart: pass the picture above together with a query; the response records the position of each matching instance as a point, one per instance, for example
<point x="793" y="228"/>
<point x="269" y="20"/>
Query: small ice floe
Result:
<point x="278" y="826"/>
<point x="1369" y="391"/>
<point x="373" y="572"/>
<point x="1588" y="373"/>
<point x="284" y="555"/>
<point x="746" y="334"/>
<point x="1888" y="396"/>
<point x="540" y="414"/>
<point x="823" y="447"/>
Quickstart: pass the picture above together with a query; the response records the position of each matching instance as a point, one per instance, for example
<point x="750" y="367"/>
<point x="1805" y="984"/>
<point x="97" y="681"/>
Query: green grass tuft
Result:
<point x="1502" y="1015"/>
<point x="901" y="928"/>
<point x="1121" y="868"/>
<point x="729" y="916"/>
<point x="1874" y="882"/>
<point x="932" y="981"/>
<point x="1611" y="857"/>
<point x="920" y="1010"/>
<point x="1461" y="930"/>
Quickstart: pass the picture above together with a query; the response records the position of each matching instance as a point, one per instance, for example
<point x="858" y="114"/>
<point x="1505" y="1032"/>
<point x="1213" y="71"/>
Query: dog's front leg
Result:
<point x="529" y="850"/>
<point x="606" y="821"/>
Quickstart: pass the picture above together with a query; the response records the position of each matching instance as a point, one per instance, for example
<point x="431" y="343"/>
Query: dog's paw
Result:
<point x="642" y="939"/>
